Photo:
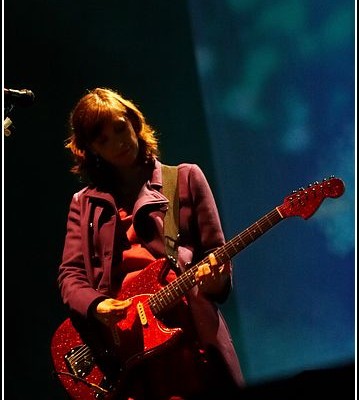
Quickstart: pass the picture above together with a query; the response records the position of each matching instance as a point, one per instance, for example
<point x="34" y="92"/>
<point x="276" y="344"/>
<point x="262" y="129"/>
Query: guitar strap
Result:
<point x="171" y="219"/>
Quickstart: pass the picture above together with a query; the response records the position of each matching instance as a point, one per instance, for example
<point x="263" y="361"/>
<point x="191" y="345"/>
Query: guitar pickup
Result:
<point x="141" y="313"/>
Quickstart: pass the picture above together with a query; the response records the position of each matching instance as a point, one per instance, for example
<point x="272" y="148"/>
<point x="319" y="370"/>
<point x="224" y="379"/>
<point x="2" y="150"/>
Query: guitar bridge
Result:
<point x="80" y="361"/>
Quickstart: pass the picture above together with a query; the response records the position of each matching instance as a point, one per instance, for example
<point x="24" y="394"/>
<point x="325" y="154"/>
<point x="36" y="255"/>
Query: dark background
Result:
<point x="260" y="94"/>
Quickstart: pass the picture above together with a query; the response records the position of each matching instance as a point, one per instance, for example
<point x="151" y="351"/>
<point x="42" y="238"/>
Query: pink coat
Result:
<point x="92" y="249"/>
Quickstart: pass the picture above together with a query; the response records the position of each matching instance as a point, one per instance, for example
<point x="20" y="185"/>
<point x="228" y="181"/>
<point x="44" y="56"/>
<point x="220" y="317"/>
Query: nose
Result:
<point x="118" y="148"/>
<point x="117" y="144"/>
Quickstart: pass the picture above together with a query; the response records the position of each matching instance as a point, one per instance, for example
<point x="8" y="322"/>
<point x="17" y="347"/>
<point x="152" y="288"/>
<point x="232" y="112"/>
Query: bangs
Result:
<point x="89" y="120"/>
<point x="95" y="120"/>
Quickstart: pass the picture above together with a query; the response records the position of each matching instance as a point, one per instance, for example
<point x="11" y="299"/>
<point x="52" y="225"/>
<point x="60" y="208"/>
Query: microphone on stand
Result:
<point x="12" y="97"/>
<point x="22" y="97"/>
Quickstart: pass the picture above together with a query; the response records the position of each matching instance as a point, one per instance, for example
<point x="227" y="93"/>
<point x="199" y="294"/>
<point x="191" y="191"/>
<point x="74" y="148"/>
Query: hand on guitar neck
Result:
<point x="211" y="277"/>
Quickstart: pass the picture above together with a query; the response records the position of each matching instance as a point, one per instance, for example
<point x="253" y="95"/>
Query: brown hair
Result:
<point x="86" y="121"/>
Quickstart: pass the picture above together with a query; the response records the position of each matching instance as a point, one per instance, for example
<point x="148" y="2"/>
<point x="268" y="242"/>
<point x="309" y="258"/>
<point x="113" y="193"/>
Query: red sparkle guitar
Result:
<point x="142" y="333"/>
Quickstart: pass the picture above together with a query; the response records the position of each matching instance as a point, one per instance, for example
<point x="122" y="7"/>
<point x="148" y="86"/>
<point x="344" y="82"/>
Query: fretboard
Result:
<point x="166" y="297"/>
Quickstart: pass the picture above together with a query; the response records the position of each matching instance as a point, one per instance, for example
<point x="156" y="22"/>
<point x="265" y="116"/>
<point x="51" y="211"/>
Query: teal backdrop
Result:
<point x="260" y="94"/>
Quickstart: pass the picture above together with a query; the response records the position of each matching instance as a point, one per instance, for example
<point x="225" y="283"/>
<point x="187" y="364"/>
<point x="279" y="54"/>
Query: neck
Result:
<point x="130" y="182"/>
<point x="129" y="175"/>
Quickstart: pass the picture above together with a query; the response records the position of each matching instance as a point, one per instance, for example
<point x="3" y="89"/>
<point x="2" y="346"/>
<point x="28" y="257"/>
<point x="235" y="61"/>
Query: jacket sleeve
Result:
<point x="207" y="217"/>
<point x="73" y="278"/>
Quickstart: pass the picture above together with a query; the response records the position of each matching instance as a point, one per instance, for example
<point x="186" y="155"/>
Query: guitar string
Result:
<point x="189" y="274"/>
<point x="273" y="217"/>
<point x="81" y="352"/>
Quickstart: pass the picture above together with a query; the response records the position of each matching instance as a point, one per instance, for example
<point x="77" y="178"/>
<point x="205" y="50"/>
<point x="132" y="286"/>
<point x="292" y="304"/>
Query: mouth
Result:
<point x="123" y="153"/>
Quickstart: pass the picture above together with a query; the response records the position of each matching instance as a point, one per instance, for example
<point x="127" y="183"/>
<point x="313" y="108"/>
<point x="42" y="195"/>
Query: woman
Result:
<point x="115" y="231"/>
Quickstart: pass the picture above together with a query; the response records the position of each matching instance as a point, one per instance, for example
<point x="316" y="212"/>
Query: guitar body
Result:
<point x="138" y="335"/>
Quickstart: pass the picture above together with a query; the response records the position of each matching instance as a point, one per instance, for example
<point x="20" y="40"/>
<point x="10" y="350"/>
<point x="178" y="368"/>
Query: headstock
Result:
<point x="304" y="202"/>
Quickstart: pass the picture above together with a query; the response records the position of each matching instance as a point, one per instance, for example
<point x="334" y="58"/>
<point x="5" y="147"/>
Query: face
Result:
<point x="117" y="143"/>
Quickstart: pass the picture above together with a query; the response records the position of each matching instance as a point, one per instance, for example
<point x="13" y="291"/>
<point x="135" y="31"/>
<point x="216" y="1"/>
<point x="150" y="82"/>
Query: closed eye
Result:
<point x="101" y="140"/>
<point x="120" y="125"/>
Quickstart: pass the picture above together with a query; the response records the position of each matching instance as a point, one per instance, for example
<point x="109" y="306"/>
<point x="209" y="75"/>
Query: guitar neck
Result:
<point x="172" y="292"/>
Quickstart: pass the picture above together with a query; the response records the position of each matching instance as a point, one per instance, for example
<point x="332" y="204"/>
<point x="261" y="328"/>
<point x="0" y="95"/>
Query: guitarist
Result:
<point x="115" y="231"/>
